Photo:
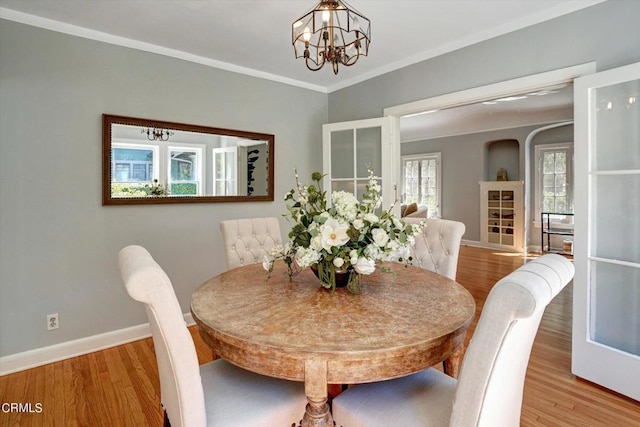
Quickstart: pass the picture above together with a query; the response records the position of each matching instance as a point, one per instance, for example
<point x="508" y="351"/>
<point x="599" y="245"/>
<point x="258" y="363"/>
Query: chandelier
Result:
<point x="332" y="32"/>
<point x="157" y="134"/>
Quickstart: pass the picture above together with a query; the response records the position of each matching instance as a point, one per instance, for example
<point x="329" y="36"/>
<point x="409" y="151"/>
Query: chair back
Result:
<point x="491" y="381"/>
<point x="181" y="390"/>
<point x="246" y="241"/>
<point x="438" y="246"/>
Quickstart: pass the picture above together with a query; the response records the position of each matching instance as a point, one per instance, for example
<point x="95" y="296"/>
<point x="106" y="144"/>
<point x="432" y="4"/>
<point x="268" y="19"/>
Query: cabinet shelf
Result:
<point x="501" y="214"/>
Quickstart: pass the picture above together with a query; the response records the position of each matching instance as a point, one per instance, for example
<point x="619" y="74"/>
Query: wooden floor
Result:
<point x="119" y="386"/>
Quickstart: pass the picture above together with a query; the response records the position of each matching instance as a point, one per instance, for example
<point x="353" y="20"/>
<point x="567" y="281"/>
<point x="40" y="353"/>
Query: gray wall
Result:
<point x="607" y="33"/>
<point x="58" y="246"/>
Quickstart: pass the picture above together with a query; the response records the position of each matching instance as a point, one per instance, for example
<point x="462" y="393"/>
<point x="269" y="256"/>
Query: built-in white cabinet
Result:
<point x="502" y="214"/>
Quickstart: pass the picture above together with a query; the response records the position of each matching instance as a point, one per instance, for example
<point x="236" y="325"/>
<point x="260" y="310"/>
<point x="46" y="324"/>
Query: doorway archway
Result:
<point x="472" y="96"/>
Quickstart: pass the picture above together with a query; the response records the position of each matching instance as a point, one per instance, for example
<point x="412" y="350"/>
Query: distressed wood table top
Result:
<point x="403" y="321"/>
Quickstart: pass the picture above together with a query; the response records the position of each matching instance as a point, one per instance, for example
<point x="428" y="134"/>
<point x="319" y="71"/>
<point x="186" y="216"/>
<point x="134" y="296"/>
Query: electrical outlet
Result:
<point x="53" y="321"/>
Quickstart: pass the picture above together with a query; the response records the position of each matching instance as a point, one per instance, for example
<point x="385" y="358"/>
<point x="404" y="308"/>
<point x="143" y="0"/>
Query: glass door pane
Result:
<point x="615" y="178"/>
<point x="342" y="154"/>
<point x="616" y="303"/>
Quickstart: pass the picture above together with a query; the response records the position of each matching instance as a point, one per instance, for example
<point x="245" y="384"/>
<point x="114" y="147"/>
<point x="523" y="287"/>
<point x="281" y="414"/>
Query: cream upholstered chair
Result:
<point x="246" y="241"/>
<point x="438" y="246"/>
<point x="216" y="393"/>
<point x="489" y="390"/>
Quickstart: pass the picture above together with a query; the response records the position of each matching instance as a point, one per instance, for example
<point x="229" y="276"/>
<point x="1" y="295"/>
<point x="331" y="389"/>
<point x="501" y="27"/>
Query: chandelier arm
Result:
<point x="348" y="63"/>
<point x="308" y="61"/>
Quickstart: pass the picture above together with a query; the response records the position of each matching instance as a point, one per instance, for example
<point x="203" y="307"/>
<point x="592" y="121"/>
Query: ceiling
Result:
<point x="551" y="105"/>
<point x="254" y="37"/>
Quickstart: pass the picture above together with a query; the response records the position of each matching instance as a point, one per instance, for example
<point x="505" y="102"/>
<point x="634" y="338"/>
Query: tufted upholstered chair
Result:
<point x="488" y="392"/>
<point x="214" y="394"/>
<point x="438" y="246"/>
<point x="246" y="241"/>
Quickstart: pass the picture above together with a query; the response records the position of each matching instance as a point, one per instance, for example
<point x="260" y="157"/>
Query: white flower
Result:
<point x="358" y="224"/>
<point x="267" y="262"/>
<point x="334" y="233"/>
<point x="372" y="218"/>
<point x="372" y="251"/>
<point x="316" y="242"/>
<point x="338" y="262"/>
<point x="306" y="257"/>
<point x="380" y="237"/>
<point x="393" y="245"/>
<point x="353" y="255"/>
<point x="346" y="204"/>
<point x="365" y="266"/>
<point x="417" y="228"/>
<point x="403" y="252"/>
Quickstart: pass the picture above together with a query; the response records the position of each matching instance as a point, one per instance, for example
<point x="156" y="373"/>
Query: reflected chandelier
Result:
<point x="332" y="32"/>
<point x="157" y="134"/>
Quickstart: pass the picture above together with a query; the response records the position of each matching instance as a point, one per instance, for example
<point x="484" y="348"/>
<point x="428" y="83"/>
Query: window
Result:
<point x="132" y="163"/>
<point x="134" y="168"/>
<point x="421" y="181"/>
<point x="554" y="180"/>
<point x="185" y="170"/>
<point x="140" y="169"/>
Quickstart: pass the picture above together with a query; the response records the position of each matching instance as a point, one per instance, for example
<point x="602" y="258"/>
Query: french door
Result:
<point x="349" y="148"/>
<point x="606" y="305"/>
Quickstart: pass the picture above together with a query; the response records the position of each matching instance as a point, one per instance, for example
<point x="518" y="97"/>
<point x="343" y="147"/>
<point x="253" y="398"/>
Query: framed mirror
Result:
<point x="152" y="162"/>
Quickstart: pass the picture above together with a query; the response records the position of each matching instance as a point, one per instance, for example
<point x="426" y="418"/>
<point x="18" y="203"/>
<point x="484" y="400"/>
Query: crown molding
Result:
<point x="74" y="30"/>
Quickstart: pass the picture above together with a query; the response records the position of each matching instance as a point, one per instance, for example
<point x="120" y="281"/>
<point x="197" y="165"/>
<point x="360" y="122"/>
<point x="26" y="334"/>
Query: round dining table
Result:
<point x="404" y="320"/>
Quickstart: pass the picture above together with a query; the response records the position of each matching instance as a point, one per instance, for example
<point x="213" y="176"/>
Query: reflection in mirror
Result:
<point x="148" y="161"/>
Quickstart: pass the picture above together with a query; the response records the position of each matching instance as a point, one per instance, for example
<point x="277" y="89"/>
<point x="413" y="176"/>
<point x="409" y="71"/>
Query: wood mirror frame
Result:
<point x="152" y="179"/>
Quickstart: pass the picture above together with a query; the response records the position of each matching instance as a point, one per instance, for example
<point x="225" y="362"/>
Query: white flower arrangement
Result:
<point x="351" y="236"/>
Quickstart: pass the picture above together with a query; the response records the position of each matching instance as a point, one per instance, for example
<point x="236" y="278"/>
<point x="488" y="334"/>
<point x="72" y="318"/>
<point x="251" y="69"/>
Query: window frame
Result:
<point x="437" y="156"/>
<point x="155" y="164"/>
<point x="199" y="165"/>
<point x="540" y="149"/>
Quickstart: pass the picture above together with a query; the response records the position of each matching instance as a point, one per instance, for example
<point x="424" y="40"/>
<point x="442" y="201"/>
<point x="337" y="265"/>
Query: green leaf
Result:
<point x="319" y="219"/>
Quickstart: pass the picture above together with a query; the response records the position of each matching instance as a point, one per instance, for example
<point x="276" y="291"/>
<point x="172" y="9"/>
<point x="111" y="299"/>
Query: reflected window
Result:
<point x="134" y="168"/>
<point x="132" y="164"/>
<point x="185" y="170"/>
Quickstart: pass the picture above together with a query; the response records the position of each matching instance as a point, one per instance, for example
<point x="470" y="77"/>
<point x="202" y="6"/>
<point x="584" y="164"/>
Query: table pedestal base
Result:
<point x="317" y="414"/>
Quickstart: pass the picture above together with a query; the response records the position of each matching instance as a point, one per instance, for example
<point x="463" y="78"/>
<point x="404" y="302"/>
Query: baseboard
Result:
<point x="476" y="244"/>
<point x="471" y="243"/>
<point x="54" y="353"/>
